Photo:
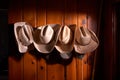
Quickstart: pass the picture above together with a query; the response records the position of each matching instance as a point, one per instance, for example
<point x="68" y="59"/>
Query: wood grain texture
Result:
<point x="14" y="11"/>
<point x="82" y="21"/>
<point x="41" y="20"/>
<point x="93" y="25"/>
<point x="15" y="68"/>
<point x="71" y="18"/>
<point x="54" y="11"/>
<point x="37" y="66"/>
<point x="55" y="70"/>
<point x="93" y="15"/>
<point x="30" y="62"/>
<point x="15" y="59"/>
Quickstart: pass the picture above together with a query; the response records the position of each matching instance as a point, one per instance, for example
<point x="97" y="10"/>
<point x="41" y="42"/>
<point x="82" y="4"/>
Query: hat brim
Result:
<point x="89" y="47"/>
<point x="47" y="48"/>
<point x="66" y="56"/>
<point x="66" y="48"/>
<point x="17" y="27"/>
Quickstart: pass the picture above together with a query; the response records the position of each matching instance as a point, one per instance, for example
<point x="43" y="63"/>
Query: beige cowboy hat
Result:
<point x="45" y="37"/>
<point x="66" y="41"/>
<point x="23" y="35"/>
<point x="85" y="40"/>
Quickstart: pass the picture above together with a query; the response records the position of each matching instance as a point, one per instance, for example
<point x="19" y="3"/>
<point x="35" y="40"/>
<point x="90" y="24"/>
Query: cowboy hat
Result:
<point x="85" y="40"/>
<point x="45" y="37"/>
<point x="23" y="35"/>
<point x="66" y="41"/>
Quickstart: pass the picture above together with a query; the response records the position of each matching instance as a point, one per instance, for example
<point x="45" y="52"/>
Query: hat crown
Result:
<point x="83" y="36"/>
<point x="45" y="37"/>
<point x="24" y="39"/>
<point x="46" y="34"/>
<point x="23" y="35"/>
<point x="65" y="36"/>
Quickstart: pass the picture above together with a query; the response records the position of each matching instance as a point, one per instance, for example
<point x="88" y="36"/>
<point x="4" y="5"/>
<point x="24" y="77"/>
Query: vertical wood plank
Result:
<point x="108" y="41"/>
<point x="15" y="59"/>
<point x="15" y="68"/>
<point x="98" y="61"/>
<point x="55" y="71"/>
<point x="93" y="25"/>
<point x="41" y="20"/>
<point x="82" y="21"/>
<point x="92" y="15"/>
<point x="14" y="11"/>
<point x="55" y="11"/>
<point x="71" y="18"/>
<point x="38" y="69"/>
<point x="30" y="63"/>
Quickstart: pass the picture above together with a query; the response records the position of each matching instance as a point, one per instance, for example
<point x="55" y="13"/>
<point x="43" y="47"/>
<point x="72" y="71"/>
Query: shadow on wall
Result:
<point x="3" y="42"/>
<point x="52" y="58"/>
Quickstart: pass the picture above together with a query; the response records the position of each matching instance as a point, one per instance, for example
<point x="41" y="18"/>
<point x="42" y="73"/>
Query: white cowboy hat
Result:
<point x="66" y="41"/>
<point x="85" y="40"/>
<point x="23" y="35"/>
<point x="45" y="37"/>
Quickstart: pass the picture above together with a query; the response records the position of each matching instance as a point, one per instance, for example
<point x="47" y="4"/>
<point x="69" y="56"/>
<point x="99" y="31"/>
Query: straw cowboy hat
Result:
<point x="85" y="40"/>
<point x="66" y="41"/>
<point x="23" y="35"/>
<point x="45" y="37"/>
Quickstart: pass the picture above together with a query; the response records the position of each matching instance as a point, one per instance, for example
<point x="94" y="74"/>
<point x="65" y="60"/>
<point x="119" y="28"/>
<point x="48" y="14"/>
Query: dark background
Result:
<point x="118" y="40"/>
<point x="3" y="39"/>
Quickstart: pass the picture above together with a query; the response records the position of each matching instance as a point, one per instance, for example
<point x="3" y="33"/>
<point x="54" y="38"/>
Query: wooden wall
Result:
<point x="36" y="66"/>
<point x="107" y="56"/>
